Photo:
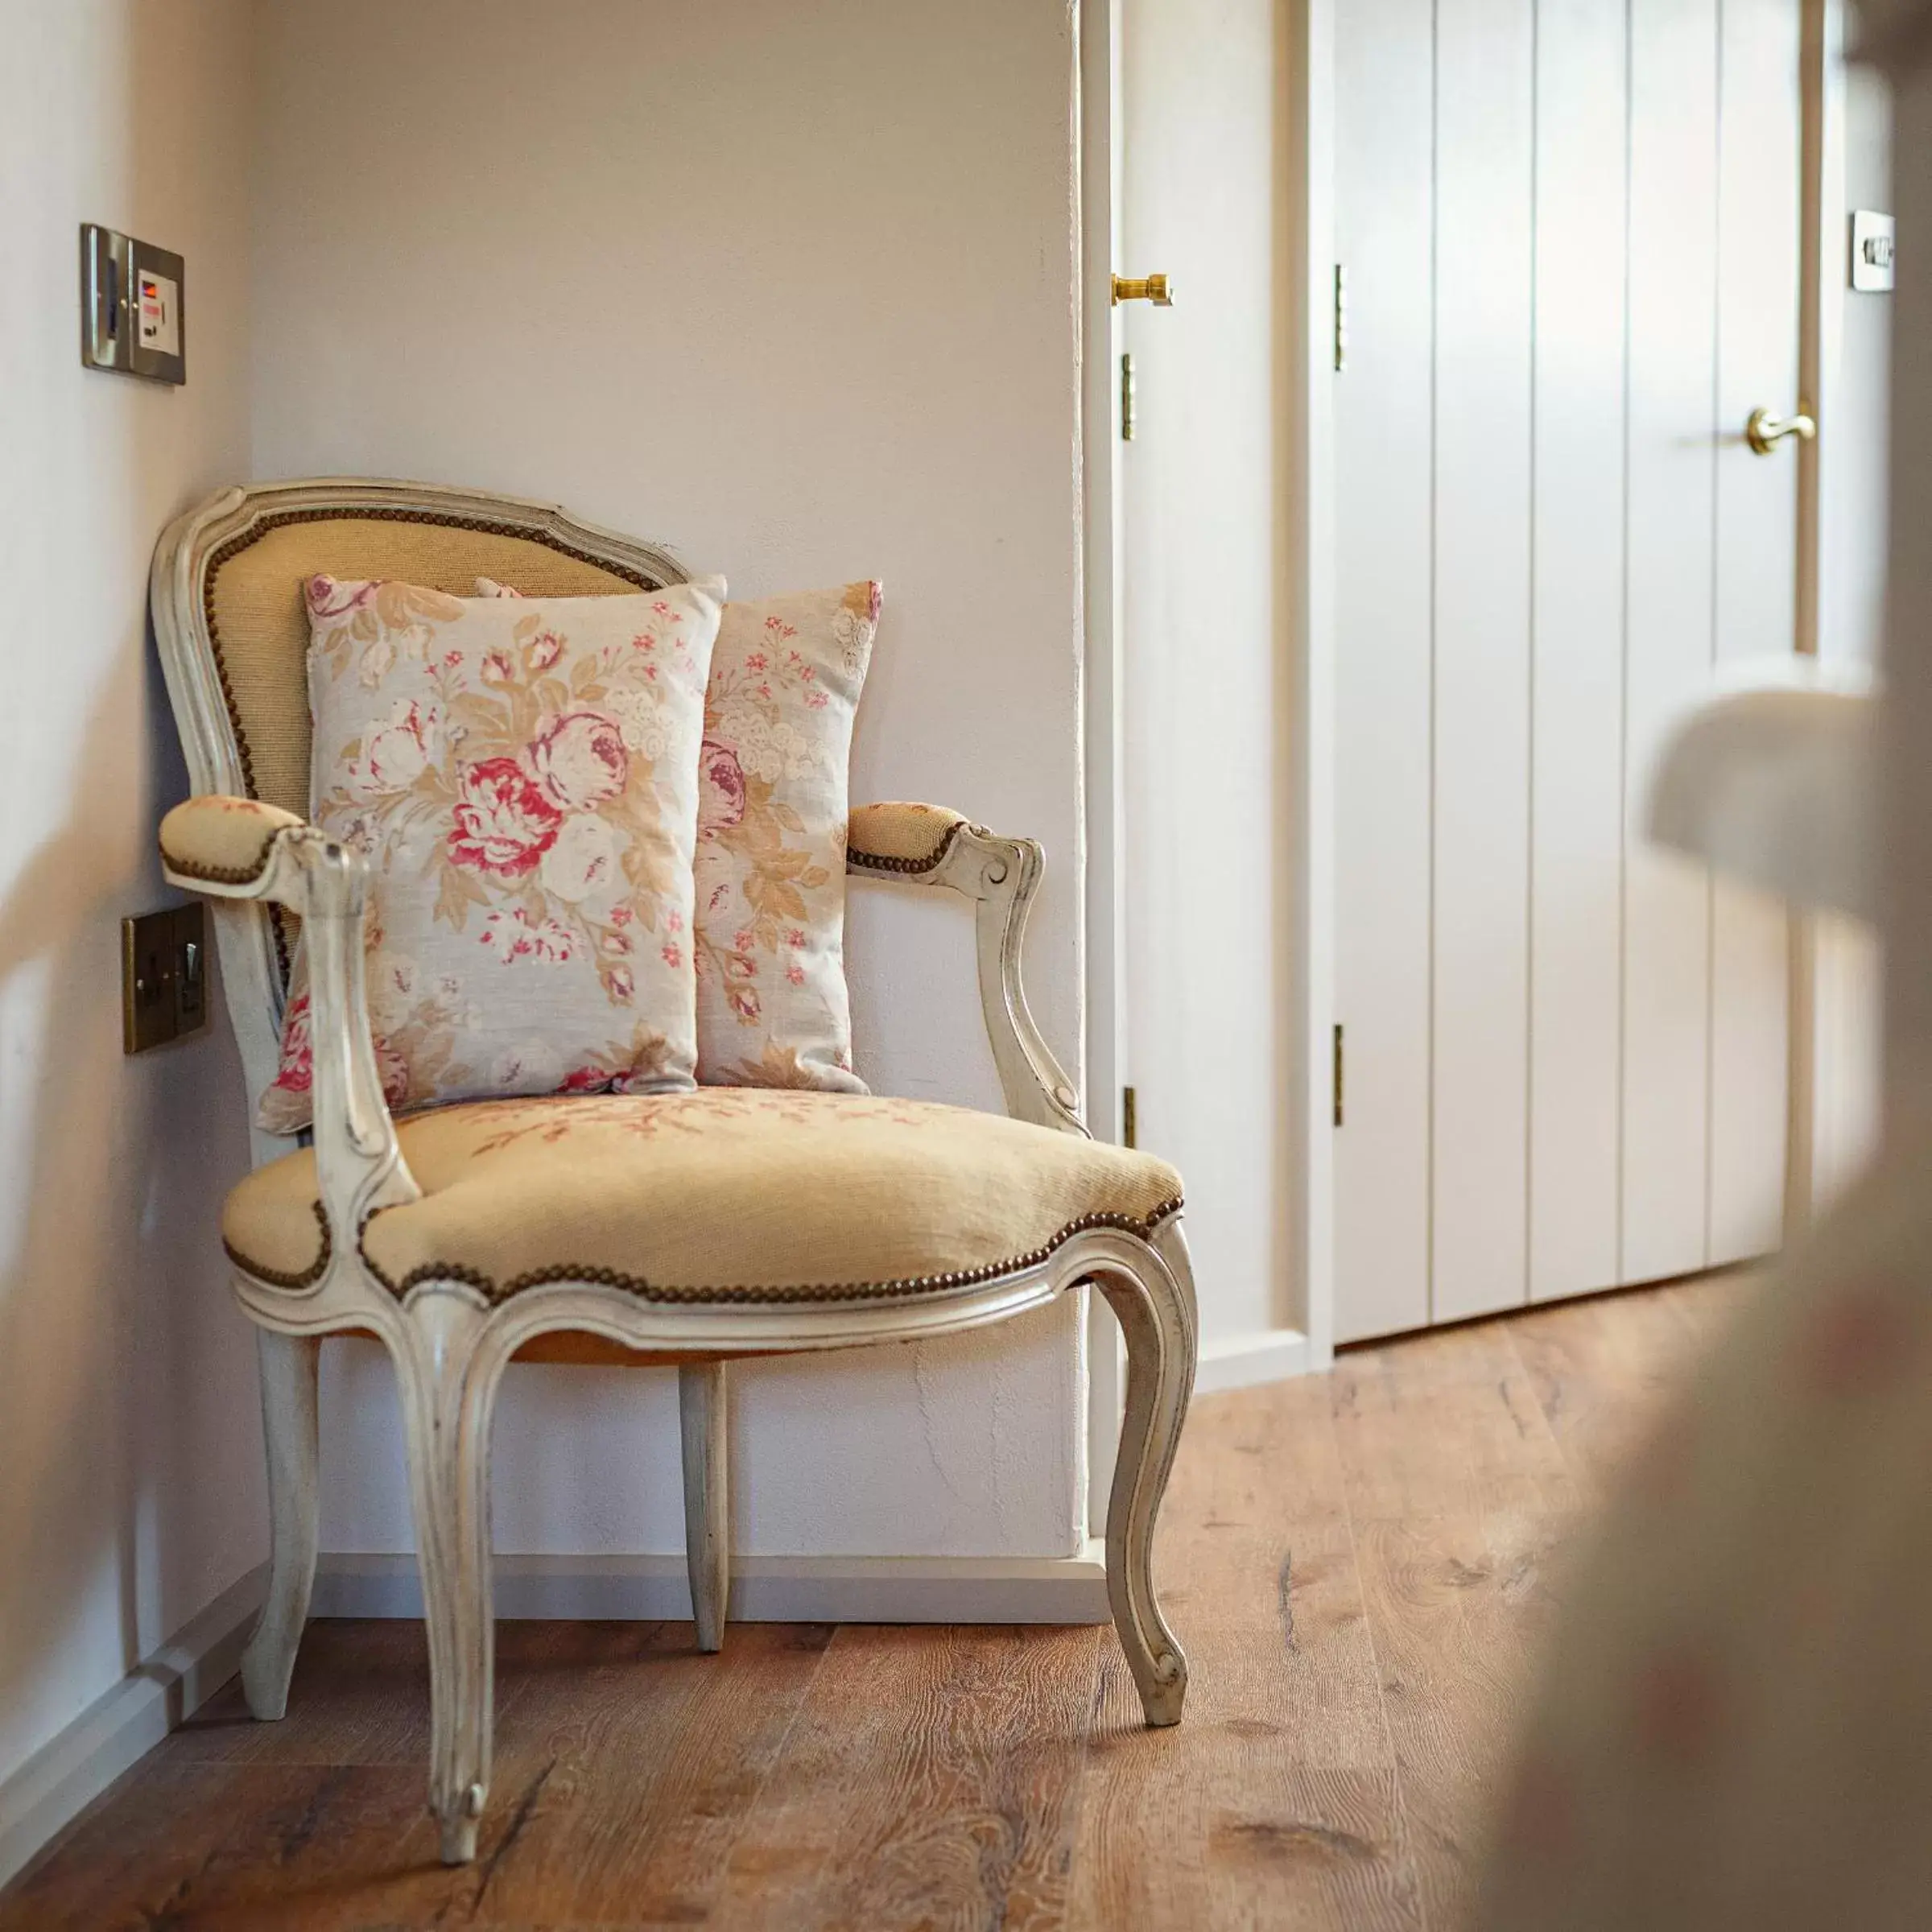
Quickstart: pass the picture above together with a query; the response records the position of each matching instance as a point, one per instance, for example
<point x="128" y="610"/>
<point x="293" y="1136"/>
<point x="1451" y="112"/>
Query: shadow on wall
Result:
<point x="129" y="1444"/>
<point x="115" y="1325"/>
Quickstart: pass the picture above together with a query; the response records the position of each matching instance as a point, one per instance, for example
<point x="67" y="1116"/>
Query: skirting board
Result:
<point x="68" y="1772"/>
<point x="1271" y="1356"/>
<point x="764" y="1589"/>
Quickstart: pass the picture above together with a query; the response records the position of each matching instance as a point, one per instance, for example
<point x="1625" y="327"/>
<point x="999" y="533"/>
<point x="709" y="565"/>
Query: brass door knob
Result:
<point x="1157" y="289"/>
<point x="1765" y="432"/>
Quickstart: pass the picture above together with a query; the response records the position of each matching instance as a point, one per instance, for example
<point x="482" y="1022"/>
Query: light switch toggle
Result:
<point x="1873" y="244"/>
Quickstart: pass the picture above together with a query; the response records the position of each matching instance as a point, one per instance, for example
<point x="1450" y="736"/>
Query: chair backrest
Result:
<point x="233" y="639"/>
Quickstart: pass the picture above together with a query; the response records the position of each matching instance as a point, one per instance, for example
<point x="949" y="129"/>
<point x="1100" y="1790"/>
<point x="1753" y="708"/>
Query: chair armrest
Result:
<point x="928" y="845"/>
<point x="213" y="843"/>
<point x="237" y="848"/>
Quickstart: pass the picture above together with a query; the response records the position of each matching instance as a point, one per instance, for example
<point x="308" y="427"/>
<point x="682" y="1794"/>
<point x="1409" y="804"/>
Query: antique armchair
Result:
<point x="465" y="1237"/>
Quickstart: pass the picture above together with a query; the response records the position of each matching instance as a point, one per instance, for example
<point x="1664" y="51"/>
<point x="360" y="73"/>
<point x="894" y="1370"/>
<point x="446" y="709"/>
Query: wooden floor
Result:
<point x="1355" y="1564"/>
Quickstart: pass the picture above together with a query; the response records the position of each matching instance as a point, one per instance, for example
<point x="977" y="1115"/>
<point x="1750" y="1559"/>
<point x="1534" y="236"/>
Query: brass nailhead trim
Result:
<point x="824" y="1291"/>
<point x="277" y="1277"/>
<point x="873" y="862"/>
<point x="277" y="519"/>
<point x="226" y="875"/>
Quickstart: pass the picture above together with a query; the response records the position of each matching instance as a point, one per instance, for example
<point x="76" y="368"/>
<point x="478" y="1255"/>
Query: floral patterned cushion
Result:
<point x="785" y="683"/>
<point x="524" y="781"/>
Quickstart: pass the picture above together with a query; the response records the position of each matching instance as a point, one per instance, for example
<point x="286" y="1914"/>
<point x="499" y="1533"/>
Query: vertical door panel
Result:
<point x="1484" y="91"/>
<point x="1577" y="811"/>
<point x="1570" y="228"/>
<point x="1672" y="458"/>
<point x="1756" y="521"/>
<point x="1383" y="677"/>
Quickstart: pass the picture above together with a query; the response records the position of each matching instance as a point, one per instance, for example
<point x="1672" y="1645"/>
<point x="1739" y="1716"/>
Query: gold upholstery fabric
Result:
<point x="726" y="1195"/>
<point x="222" y="838"/>
<point x="906" y="838"/>
<point x="254" y="598"/>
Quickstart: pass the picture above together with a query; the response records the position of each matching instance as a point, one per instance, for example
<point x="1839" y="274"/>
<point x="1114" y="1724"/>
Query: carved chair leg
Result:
<point x="448" y="1392"/>
<point x="1155" y="1306"/>
<point x="289" y="1364"/>
<point x="701" y="1407"/>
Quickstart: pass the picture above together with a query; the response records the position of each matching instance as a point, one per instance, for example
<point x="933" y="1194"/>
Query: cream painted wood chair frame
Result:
<point x="450" y="1347"/>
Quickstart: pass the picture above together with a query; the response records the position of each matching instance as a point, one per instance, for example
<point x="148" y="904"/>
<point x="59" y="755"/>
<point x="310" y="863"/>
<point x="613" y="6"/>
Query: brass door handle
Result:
<point x="1157" y="289"/>
<point x="1765" y="432"/>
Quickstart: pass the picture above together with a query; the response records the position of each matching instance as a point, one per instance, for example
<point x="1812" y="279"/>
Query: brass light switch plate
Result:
<point x="133" y="298"/>
<point x="163" y="976"/>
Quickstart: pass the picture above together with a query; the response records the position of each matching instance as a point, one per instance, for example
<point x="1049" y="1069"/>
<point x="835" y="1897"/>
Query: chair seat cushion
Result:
<point x="728" y="1194"/>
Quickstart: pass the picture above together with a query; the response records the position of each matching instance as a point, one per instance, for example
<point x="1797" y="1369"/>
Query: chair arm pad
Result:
<point x="928" y="845"/>
<point x="219" y="841"/>
<point x="238" y="848"/>
<point x="900" y="838"/>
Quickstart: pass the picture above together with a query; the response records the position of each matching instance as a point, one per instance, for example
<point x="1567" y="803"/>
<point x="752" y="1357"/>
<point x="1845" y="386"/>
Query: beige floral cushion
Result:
<point x="523" y="779"/>
<point x="724" y="1195"/>
<point x="785" y="684"/>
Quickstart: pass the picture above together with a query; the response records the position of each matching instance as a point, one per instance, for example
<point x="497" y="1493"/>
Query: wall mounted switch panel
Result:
<point x="132" y="298"/>
<point x="163" y="976"/>
<point x="1872" y="237"/>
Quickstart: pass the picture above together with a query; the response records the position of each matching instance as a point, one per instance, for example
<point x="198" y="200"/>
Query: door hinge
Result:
<point x="1337" y="1077"/>
<point x="1341" y="317"/>
<point x="1127" y="399"/>
<point x="1130" y="1125"/>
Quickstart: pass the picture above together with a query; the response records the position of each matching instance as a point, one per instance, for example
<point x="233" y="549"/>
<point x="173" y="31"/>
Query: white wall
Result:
<point x="1853" y="452"/>
<point x="1858" y="347"/>
<point x="129" y="1450"/>
<point x="791" y="288"/>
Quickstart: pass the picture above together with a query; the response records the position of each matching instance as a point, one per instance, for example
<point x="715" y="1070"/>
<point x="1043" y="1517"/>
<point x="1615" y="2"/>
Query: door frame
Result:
<point x="1307" y="293"/>
<point x="1304" y="289"/>
<point x="1096" y="96"/>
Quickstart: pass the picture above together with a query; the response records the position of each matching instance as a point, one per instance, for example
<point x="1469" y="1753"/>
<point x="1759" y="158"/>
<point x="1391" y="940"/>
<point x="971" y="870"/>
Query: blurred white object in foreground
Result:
<point x="1775" y="783"/>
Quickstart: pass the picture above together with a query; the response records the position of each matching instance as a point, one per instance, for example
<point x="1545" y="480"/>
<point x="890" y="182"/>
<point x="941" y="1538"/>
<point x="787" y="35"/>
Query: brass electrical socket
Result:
<point x="163" y="976"/>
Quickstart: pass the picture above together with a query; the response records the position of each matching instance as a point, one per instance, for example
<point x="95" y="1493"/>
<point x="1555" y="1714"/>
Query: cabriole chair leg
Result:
<point x="289" y="1364"/>
<point x="1154" y="1303"/>
<point x="702" y="1412"/>
<point x="448" y="1390"/>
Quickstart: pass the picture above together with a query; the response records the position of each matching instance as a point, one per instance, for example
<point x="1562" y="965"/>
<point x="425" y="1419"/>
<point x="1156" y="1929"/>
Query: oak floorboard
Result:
<point x="1706" y="1305"/>
<point x="1217" y="1823"/>
<point x="1601" y="1369"/>
<point x="931" y="1780"/>
<point x="216" y="1846"/>
<point x="1360" y="1567"/>
<point x="375" y="1710"/>
<point x="1274" y="1801"/>
<point x="1458" y="1491"/>
<point x="639" y="1769"/>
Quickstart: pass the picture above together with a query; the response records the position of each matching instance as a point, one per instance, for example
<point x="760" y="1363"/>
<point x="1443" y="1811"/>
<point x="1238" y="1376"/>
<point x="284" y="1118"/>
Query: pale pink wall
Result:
<point x="791" y="287"/>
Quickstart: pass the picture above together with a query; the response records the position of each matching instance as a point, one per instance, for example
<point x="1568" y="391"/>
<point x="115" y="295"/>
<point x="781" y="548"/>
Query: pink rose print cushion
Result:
<point x="772" y="804"/>
<point x="524" y="780"/>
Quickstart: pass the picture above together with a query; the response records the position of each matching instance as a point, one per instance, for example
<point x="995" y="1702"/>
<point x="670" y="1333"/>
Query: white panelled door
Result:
<point x="1569" y="230"/>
